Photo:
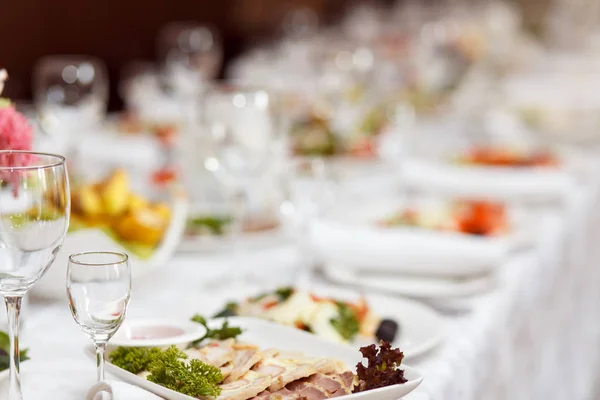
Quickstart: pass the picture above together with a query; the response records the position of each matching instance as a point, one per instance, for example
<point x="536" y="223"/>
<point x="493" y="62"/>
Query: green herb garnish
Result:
<point x="215" y="225"/>
<point x="196" y="379"/>
<point x="168" y="368"/>
<point x="284" y="293"/>
<point x="5" y="352"/>
<point x="346" y="323"/>
<point x="133" y="359"/>
<point x="230" y="310"/>
<point x="224" y="332"/>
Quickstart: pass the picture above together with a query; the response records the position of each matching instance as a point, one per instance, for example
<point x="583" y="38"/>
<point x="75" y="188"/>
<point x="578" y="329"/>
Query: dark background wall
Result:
<point x="119" y="31"/>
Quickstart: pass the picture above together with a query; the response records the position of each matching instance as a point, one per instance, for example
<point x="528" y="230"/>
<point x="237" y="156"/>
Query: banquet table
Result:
<point x="535" y="336"/>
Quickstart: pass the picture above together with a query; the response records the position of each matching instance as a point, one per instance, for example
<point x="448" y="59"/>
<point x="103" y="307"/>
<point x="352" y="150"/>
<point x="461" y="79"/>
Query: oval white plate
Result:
<point x="267" y="334"/>
<point x="144" y="332"/>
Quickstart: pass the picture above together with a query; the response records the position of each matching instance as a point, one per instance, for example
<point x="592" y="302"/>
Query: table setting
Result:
<point x="402" y="204"/>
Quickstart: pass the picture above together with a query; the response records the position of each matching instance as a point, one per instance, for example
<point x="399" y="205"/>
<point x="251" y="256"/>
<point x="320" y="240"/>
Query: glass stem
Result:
<point x="13" y="309"/>
<point x="239" y="205"/>
<point x="306" y="259"/>
<point x="100" y="349"/>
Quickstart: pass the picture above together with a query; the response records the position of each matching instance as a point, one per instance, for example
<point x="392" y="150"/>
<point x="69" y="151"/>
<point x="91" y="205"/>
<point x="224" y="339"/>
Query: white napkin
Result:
<point x="406" y="251"/>
<point x="114" y="390"/>
<point x="508" y="184"/>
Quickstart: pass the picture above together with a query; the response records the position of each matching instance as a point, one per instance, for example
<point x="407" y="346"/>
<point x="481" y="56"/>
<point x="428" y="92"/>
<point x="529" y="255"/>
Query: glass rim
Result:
<point x="123" y="258"/>
<point x="60" y="160"/>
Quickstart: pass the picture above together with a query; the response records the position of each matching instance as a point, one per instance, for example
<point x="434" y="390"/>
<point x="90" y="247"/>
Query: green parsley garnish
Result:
<point x="346" y="323"/>
<point x="224" y="332"/>
<point x="230" y="310"/>
<point x="195" y="378"/>
<point x="133" y="359"/>
<point x="169" y="368"/>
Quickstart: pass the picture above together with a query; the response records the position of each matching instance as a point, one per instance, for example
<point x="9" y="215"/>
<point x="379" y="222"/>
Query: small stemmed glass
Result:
<point x="99" y="288"/>
<point x="34" y="217"/>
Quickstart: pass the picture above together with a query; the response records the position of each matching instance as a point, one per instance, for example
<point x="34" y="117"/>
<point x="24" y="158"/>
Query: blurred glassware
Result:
<point x="191" y="55"/>
<point x="300" y="22"/>
<point x="247" y="139"/>
<point x="309" y="188"/>
<point x="99" y="288"/>
<point x="34" y="217"/>
<point x="70" y="93"/>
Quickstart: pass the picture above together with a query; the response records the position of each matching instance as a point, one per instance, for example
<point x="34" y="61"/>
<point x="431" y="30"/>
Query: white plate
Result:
<point x="350" y="237"/>
<point x="412" y="286"/>
<point x="266" y="334"/>
<point x="136" y="332"/>
<point x="421" y="328"/>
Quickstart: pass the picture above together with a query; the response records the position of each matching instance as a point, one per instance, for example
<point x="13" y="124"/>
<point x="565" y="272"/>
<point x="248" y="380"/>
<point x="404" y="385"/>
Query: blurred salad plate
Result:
<point x="440" y="237"/>
<point x="108" y="215"/>
<point x="344" y="316"/>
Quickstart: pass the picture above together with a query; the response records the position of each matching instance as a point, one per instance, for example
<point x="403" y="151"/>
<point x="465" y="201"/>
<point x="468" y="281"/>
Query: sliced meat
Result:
<point x="250" y="385"/>
<point x="217" y="353"/>
<point x="243" y="361"/>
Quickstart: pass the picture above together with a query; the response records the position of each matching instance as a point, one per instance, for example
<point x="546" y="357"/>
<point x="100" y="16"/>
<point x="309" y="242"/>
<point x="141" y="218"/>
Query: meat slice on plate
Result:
<point x="286" y="370"/>
<point x="247" y="387"/>
<point x="333" y="385"/>
<point x="217" y="353"/>
<point x="243" y="361"/>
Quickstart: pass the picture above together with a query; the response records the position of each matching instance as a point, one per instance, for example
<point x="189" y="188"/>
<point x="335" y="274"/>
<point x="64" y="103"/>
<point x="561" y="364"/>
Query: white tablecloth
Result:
<point x="535" y="337"/>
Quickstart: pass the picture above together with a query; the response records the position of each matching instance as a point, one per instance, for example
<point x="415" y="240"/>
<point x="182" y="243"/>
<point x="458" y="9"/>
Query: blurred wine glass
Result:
<point x="191" y="55"/>
<point x="245" y="132"/>
<point x="309" y="190"/>
<point x="70" y="93"/>
<point x="34" y="217"/>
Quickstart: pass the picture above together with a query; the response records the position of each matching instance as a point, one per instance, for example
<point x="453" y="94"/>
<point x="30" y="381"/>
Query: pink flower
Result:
<point x="15" y="134"/>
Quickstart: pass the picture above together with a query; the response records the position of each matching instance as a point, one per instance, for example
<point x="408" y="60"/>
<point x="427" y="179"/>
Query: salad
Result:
<point x="336" y="320"/>
<point x="468" y="217"/>
<point x="222" y="367"/>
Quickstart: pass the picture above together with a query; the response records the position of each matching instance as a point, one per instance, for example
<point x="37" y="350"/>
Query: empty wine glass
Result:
<point x="309" y="189"/>
<point x="34" y="217"/>
<point x="191" y="54"/>
<point x="244" y="130"/>
<point x="70" y="93"/>
<point x="99" y="288"/>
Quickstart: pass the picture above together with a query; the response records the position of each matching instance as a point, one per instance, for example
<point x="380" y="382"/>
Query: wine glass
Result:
<point x="70" y="93"/>
<point x="99" y="288"/>
<point x="309" y="190"/>
<point x="244" y="130"/>
<point x="34" y="217"/>
<point x="191" y="55"/>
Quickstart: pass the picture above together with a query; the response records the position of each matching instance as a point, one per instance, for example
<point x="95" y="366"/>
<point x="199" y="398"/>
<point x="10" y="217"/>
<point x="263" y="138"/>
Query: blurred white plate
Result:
<point x="350" y="237"/>
<point x="157" y="332"/>
<point x="528" y="185"/>
<point x="412" y="286"/>
<point x="266" y="334"/>
<point x="420" y="328"/>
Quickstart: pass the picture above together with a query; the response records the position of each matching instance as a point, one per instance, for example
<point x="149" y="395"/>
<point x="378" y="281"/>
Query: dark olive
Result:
<point x="387" y="331"/>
